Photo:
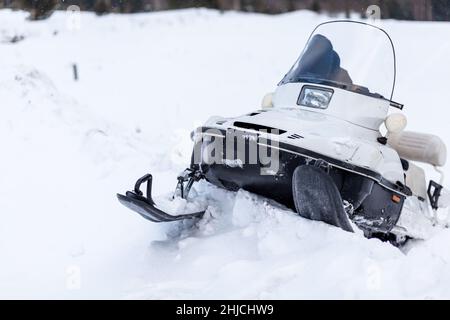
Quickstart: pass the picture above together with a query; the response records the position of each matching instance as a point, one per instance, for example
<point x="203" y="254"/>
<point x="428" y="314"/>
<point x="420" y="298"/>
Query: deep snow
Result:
<point x="145" y="82"/>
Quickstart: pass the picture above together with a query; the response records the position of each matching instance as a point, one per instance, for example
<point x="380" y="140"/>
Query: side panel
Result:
<point x="234" y="168"/>
<point x="379" y="212"/>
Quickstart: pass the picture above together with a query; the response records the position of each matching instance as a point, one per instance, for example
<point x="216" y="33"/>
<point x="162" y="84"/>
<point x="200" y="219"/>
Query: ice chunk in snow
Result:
<point x="246" y="209"/>
<point x="236" y="163"/>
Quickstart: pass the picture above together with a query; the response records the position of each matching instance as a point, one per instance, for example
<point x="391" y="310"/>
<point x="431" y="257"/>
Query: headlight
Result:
<point x="314" y="97"/>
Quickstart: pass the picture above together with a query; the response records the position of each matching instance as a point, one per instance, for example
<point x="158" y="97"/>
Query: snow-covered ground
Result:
<point x="145" y="81"/>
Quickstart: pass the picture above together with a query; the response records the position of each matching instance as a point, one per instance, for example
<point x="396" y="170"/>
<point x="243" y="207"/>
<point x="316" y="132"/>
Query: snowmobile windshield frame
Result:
<point x="350" y="55"/>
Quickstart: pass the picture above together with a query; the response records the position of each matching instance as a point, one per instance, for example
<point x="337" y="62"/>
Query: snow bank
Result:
<point x="145" y="82"/>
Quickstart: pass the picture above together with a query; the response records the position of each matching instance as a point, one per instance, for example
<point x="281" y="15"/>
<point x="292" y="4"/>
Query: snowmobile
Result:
<point x="316" y="145"/>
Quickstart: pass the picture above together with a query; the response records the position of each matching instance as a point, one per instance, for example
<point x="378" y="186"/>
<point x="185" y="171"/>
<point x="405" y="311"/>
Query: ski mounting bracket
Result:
<point x="185" y="182"/>
<point x="322" y="164"/>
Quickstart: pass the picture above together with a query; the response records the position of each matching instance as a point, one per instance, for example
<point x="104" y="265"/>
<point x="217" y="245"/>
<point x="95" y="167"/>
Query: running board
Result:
<point x="145" y="206"/>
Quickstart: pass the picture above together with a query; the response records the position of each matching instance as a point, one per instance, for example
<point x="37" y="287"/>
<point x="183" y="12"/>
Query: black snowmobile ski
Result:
<point x="145" y="206"/>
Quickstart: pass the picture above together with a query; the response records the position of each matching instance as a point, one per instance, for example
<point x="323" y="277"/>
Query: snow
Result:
<point x="145" y="82"/>
<point x="237" y="163"/>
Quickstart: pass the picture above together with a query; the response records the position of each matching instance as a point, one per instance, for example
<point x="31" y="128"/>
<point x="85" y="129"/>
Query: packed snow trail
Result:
<point x="145" y="81"/>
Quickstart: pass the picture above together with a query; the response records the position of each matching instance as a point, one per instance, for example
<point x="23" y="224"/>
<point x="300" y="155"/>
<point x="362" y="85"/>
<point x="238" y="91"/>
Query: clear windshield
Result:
<point x="350" y="55"/>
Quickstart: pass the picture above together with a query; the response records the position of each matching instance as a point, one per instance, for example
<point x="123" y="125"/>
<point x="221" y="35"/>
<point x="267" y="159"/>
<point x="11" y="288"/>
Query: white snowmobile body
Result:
<point x="316" y="146"/>
<point x="343" y="132"/>
<point x="335" y="132"/>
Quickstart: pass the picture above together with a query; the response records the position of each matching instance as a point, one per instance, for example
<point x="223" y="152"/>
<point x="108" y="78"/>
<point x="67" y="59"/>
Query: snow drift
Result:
<point x="145" y="81"/>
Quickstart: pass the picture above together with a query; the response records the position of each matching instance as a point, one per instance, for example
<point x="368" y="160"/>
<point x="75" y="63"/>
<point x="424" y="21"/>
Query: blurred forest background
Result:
<point x="425" y="10"/>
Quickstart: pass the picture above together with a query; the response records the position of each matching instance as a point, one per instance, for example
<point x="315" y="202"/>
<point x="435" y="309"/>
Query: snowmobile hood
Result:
<point x="306" y="123"/>
<point x="360" y="110"/>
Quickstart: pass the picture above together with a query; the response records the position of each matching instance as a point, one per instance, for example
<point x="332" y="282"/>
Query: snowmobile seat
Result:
<point x="416" y="181"/>
<point x="421" y="147"/>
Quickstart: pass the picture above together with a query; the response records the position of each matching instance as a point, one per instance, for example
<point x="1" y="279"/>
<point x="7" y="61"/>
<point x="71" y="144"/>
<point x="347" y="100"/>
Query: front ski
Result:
<point x="145" y="206"/>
